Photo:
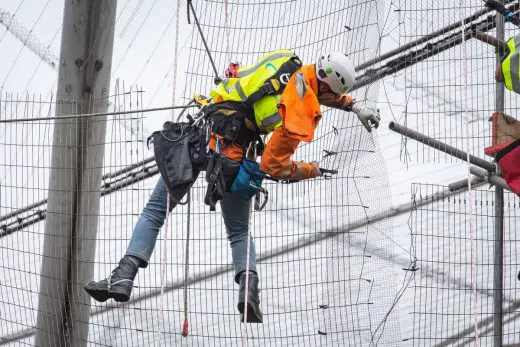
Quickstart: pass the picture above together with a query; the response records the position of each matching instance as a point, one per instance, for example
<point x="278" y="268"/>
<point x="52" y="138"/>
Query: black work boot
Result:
<point x="254" y="314"/>
<point x="117" y="286"/>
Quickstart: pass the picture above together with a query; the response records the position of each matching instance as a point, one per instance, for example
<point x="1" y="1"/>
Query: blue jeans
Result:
<point x="235" y="212"/>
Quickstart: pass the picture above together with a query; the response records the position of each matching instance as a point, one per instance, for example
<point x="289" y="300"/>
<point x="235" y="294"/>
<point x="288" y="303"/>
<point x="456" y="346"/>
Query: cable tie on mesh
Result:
<point x="329" y="153"/>
<point x="347" y="27"/>
<point x="413" y="268"/>
<point x="324" y="306"/>
<point x="322" y="332"/>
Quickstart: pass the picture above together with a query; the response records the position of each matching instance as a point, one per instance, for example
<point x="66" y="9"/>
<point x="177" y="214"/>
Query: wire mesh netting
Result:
<point x="447" y="305"/>
<point x="340" y="264"/>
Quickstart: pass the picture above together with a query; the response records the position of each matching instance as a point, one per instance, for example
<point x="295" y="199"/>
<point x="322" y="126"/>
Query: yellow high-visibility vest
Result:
<point x="272" y="72"/>
<point x="511" y="65"/>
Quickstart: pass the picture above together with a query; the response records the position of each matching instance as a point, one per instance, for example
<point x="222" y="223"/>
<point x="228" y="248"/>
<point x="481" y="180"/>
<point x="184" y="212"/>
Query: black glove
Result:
<point x="327" y="173"/>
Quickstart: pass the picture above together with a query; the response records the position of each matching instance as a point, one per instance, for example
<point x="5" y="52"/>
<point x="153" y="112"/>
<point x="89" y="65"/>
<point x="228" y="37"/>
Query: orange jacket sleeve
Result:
<point x="276" y="160"/>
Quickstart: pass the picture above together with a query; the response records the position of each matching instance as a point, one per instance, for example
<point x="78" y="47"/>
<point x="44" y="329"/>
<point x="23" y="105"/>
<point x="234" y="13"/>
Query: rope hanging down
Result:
<point x="164" y="259"/>
<point x="186" y="268"/>
<point x="190" y="6"/>
<point x="470" y="197"/>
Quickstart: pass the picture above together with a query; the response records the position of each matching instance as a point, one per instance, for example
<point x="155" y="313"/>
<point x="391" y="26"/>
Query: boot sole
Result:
<point x="119" y="296"/>
<point x="252" y="315"/>
<point x="96" y="294"/>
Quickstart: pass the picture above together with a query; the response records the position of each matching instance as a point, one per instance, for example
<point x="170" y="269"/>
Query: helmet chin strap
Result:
<point x="322" y="89"/>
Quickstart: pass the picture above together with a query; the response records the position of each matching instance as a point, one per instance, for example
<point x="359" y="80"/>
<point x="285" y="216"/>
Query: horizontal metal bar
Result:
<point x="107" y="188"/>
<point x="441" y="146"/>
<point x="422" y="40"/>
<point x="462" y="184"/>
<point x="500" y="45"/>
<point x="141" y="166"/>
<point x="86" y="115"/>
<point x="429" y="50"/>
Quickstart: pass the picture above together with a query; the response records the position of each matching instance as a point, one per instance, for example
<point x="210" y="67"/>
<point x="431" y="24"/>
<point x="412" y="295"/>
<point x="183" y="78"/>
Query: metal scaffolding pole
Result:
<point x="441" y="146"/>
<point x="498" y="254"/>
<point x="75" y="177"/>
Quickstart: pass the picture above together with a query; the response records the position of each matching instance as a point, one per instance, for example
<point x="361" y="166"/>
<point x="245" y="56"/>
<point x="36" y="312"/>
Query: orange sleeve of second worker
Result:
<point x="276" y="159"/>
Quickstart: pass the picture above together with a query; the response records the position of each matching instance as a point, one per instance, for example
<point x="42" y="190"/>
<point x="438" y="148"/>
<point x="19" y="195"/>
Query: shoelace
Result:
<point x="109" y="279"/>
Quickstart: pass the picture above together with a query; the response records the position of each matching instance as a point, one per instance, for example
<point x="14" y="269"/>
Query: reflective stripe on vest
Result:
<point x="271" y="120"/>
<point x="266" y="113"/>
<point x="240" y="91"/>
<point x="265" y="61"/>
<point x="511" y="65"/>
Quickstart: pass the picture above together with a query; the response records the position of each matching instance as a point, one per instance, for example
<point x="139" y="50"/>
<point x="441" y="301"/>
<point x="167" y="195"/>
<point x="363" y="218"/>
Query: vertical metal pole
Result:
<point x="75" y="176"/>
<point x="498" y="274"/>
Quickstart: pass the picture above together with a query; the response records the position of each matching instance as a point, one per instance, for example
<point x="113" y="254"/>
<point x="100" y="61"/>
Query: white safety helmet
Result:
<point x="337" y="71"/>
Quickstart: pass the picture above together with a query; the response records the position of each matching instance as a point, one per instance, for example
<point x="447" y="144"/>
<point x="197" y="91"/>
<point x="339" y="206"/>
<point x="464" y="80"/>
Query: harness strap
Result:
<point x="216" y="182"/>
<point x="276" y="84"/>
<point x="270" y="87"/>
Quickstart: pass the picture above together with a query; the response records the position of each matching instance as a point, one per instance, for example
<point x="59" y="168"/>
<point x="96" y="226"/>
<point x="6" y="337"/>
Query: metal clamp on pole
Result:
<point x="491" y="178"/>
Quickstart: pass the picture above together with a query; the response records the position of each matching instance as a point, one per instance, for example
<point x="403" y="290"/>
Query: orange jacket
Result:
<point x="299" y="106"/>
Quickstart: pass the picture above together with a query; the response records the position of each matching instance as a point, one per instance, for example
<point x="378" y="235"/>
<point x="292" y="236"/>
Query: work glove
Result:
<point x="325" y="173"/>
<point x="367" y="116"/>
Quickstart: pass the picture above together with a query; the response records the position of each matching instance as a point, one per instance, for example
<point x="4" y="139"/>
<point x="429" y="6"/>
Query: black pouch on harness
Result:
<point x="229" y="119"/>
<point x="180" y="154"/>
<point x="216" y="182"/>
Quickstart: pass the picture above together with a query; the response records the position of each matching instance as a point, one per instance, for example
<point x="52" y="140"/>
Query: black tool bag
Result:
<point x="180" y="154"/>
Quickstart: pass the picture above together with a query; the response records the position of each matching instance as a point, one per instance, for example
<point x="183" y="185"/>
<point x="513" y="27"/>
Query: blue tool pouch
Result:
<point x="249" y="181"/>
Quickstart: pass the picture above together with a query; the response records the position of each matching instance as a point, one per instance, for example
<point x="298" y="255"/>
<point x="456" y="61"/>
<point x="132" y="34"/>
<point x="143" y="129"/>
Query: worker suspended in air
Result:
<point x="276" y="96"/>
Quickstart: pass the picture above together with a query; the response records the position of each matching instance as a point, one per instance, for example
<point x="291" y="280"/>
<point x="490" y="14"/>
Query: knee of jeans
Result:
<point x="236" y="227"/>
<point x="153" y="217"/>
<point x="236" y="238"/>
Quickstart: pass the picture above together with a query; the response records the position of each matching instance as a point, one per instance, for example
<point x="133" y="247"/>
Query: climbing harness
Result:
<point x="215" y="179"/>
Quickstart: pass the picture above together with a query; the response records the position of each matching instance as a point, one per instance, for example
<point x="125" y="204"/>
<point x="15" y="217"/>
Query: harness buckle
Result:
<point x="271" y="86"/>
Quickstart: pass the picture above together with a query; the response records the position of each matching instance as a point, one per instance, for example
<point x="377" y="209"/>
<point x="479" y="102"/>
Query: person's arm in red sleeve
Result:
<point x="276" y="160"/>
